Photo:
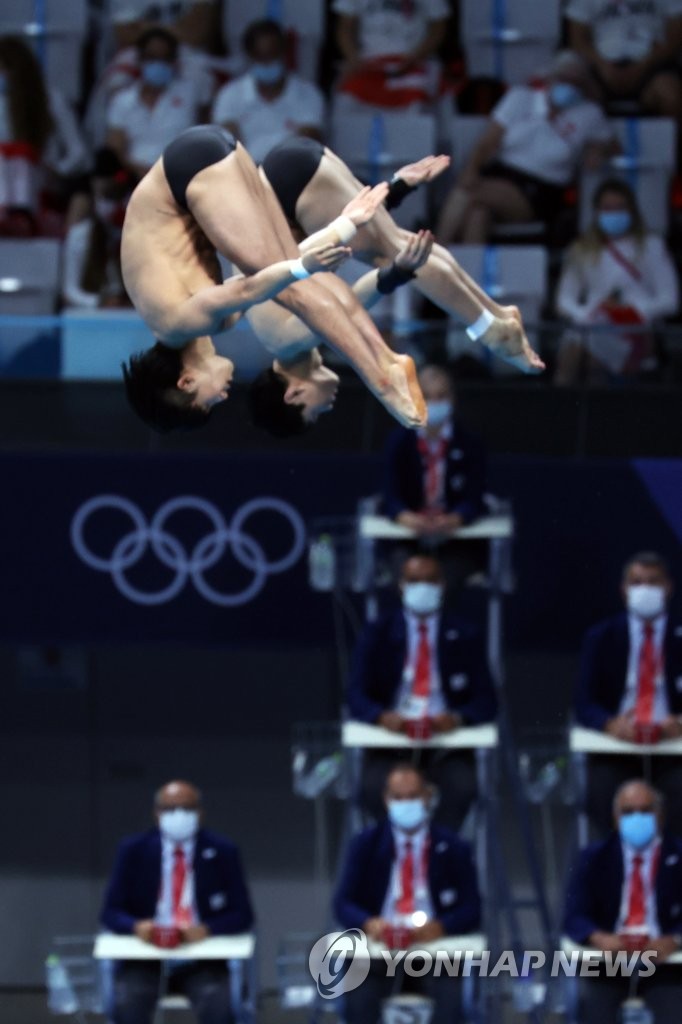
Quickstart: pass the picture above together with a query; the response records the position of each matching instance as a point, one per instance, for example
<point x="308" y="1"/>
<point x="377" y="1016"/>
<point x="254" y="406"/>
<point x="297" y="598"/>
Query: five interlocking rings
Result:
<point x="170" y="551"/>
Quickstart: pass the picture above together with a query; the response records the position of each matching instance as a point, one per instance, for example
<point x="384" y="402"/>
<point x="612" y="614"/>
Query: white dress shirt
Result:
<point x="650" y="857"/>
<point x="422" y="896"/>
<point x="406" y="704"/>
<point x="661" y="707"/>
<point x="164" y="906"/>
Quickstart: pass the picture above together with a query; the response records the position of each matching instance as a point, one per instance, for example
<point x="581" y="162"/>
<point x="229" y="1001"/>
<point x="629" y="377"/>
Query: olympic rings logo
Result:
<point x="171" y="552"/>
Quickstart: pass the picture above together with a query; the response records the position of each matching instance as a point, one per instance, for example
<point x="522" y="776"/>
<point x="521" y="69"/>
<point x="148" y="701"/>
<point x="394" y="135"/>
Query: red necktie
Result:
<point x="432" y="459"/>
<point x="636" y="905"/>
<point x="422" y="667"/>
<point x="178" y="882"/>
<point x="646" y="677"/>
<point x="405" y="904"/>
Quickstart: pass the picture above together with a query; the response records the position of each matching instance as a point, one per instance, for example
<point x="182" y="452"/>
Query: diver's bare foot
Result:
<point x="402" y="395"/>
<point x="414" y="386"/>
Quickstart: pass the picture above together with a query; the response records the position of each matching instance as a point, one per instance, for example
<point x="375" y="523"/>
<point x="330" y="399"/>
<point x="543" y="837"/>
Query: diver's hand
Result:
<point x="415" y="251"/>
<point x="325" y="257"/>
<point x="365" y="204"/>
<point x="426" y="169"/>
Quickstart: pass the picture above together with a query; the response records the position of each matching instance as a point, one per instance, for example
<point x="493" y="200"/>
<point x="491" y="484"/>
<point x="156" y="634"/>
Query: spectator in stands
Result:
<point x="630" y="685"/>
<point x="91" y="260"/>
<point x="181" y="876"/>
<point x="422" y="669"/>
<point x="194" y="23"/>
<point x="264" y="106"/>
<point x="626" y="894"/>
<point x="616" y="273"/>
<point x="632" y="48"/>
<point x="406" y="872"/>
<point x="40" y="143"/>
<point x="145" y="117"/>
<point x="534" y="143"/>
<point x="389" y="51"/>
<point x="435" y="477"/>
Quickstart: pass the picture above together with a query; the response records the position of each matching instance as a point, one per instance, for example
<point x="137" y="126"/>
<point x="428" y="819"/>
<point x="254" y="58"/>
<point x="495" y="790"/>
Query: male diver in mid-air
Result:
<point x="204" y="195"/>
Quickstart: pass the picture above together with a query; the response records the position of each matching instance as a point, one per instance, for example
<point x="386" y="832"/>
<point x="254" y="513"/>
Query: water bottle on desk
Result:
<point x="61" y="997"/>
<point x="322" y="563"/>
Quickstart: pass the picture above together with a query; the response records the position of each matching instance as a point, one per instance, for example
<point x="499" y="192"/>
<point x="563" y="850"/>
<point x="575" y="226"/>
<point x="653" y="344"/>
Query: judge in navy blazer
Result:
<point x="460" y="687"/>
<point x="222" y="899"/>
<point x="462" y="481"/>
<point x="367" y="867"/>
<point x="603" y="670"/>
<point x="379" y="658"/>
<point x="598" y="902"/>
<point x="370" y="894"/>
<point x="607" y="689"/>
<point x="181" y="875"/>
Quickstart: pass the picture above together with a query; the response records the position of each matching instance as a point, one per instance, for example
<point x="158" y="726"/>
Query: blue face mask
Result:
<point x="563" y="95"/>
<point x="439" y="412"/>
<point x="614" y="222"/>
<point x="157" y="73"/>
<point x="407" y="814"/>
<point x="638" y="829"/>
<point x="268" y="74"/>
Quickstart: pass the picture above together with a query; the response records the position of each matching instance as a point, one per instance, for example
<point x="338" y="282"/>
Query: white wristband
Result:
<point x="345" y="228"/>
<point x="297" y="270"/>
<point x="480" y="326"/>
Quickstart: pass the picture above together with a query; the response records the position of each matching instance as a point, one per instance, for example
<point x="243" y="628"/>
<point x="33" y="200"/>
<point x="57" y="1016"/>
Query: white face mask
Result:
<point x="407" y="814"/>
<point x="422" y="598"/>
<point x="179" y="824"/>
<point x="438" y="412"/>
<point x="645" y="600"/>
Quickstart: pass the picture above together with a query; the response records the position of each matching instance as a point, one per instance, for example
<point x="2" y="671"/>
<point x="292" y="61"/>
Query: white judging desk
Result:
<point x="592" y="741"/>
<point x="569" y="947"/>
<point x="451" y="945"/>
<point x="475" y="737"/>
<point x="499" y="527"/>
<point x="216" y="947"/>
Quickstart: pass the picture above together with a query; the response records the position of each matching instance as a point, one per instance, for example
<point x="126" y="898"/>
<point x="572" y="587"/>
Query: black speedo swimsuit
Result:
<point x="289" y="166"/>
<point x="190" y="152"/>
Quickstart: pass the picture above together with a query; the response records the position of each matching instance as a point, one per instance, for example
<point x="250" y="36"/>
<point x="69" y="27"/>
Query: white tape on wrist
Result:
<point x="298" y="270"/>
<point x="345" y="228"/>
<point x="480" y="326"/>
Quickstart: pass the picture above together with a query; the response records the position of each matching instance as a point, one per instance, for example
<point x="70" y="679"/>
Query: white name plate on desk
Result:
<point x="216" y="947"/>
<point x="360" y="734"/>
<point x="451" y="945"/>
<point x="591" y="741"/>
<point x="568" y="947"/>
<point x="487" y="527"/>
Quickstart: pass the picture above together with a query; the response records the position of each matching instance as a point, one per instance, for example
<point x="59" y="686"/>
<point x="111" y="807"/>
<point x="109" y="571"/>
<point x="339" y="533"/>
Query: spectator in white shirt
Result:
<point x="528" y="154"/>
<point x="616" y="273"/>
<point x="91" y="258"/>
<point x="264" y="106"/>
<point x="144" y="118"/>
<point x="633" y="48"/>
<point x="389" y="49"/>
<point x="40" y="143"/>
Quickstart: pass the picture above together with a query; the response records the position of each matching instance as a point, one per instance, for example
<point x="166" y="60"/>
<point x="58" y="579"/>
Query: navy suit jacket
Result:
<point x="221" y="895"/>
<point x="595" y="887"/>
<point x="464" y="478"/>
<point x="367" y="873"/>
<point x="379" y="659"/>
<point x="603" y="670"/>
